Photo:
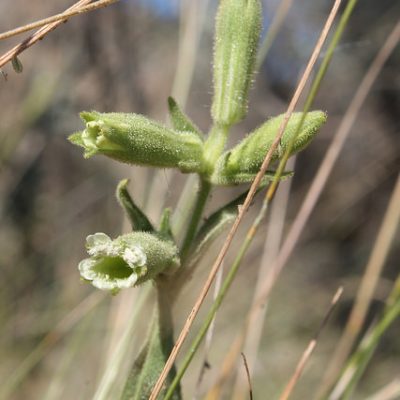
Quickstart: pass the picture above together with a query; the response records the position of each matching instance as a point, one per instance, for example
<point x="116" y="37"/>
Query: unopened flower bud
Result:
<point x="236" y="38"/>
<point x="244" y="160"/>
<point x="135" y="139"/>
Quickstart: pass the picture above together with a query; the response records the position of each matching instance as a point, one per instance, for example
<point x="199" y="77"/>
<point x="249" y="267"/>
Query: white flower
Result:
<point x="91" y="134"/>
<point x="103" y="280"/>
<point x="113" y="265"/>
<point x="135" y="257"/>
<point x="100" y="244"/>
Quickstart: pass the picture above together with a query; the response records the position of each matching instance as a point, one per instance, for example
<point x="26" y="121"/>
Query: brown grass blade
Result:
<point x="38" y="35"/>
<point x="310" y="349"/>
<point x="56" y="18"/>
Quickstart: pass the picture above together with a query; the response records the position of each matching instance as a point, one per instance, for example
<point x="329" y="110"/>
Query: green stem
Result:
<point x="214" y="308"/>
<point x="110" y="380"/>
<point x="360" y="359"/>
<point x="184" y="207"/>
<point x="150" y="361"/>
<point x="164" y="302"/>
<point x="202" y="196"/>
<point x="214" y="146"/>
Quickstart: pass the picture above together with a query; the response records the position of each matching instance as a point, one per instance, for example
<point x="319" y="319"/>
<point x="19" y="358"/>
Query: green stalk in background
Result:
<point x="359" y="360"/>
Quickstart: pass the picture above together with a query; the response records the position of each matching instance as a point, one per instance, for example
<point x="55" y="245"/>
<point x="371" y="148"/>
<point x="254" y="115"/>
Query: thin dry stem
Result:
<point x="210" y="334"/>
<point x="271" y="248"/>
<point x="50" y="340"/>
<point x="38" y="35"/>
<point x="384" y="238"/>
<point x="191" y="29"/>
<point x="311" y="198"/>
<point x="56" y="18"/>
<point x="331" y="156"/>
<point x="246" y="367"/>
<point x="242" y="210"/>
<point x="310" y="349"/>
<point x="122" y="344"/>
<point x="119" y="317"/>
<point x="227" y="366"/>
<point x="367" y="287"/>
<point x="390" y="392"/>
<point x="273" y="31"/>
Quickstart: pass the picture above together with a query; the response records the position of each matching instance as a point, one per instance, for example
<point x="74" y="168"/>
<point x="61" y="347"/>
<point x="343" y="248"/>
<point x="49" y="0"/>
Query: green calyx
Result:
<point x="243" y="162"/>
<point x="126" y="261"/>
<point x="237" y="33"/>
<point x="135" y="139"/>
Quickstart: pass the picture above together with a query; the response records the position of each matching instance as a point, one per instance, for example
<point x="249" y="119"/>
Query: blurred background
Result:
<point x="57" y="334"/>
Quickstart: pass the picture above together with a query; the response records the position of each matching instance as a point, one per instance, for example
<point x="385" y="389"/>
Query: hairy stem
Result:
<point x="202" y="196"/>
<point x="215" y="145"/>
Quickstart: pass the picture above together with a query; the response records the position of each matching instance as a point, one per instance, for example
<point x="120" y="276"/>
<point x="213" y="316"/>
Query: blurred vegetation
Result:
<point x="123" y="58"/>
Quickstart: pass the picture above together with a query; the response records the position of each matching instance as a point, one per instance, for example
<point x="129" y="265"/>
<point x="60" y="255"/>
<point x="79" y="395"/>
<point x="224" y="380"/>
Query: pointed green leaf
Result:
<point x="215" y="224"/>
<point x="135" y="374"/>
<point x="136" y="216"/>
<point x="149" y="364"/>
<point x="181" y="122"/>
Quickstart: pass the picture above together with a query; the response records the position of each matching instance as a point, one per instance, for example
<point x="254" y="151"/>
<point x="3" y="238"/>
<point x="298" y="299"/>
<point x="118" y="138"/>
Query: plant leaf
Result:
<point x="214" y="225"/>
<point x="138" y="219"/>
<point x="149" y="364"/>
<point x="180" y="121"/>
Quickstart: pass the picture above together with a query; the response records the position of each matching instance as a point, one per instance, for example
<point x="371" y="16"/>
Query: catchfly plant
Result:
<point x="150" y="252"/>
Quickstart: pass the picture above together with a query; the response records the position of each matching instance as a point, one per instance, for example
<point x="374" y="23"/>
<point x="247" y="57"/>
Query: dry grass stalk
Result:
<point x="387" y="231"/>
<point x="310" y="349"/>
<point x="55" y="18"/>
<point x="42" y="32"/>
